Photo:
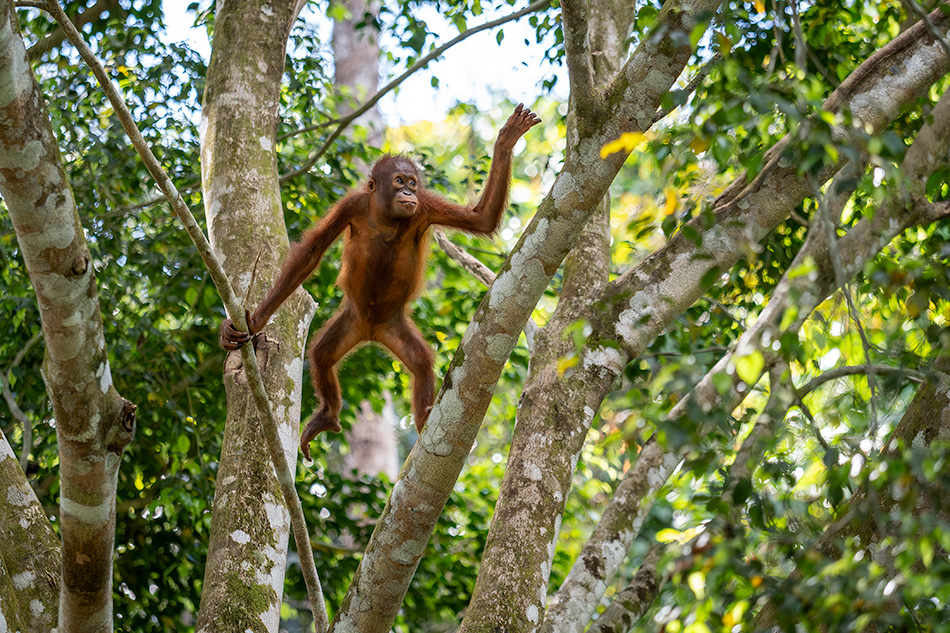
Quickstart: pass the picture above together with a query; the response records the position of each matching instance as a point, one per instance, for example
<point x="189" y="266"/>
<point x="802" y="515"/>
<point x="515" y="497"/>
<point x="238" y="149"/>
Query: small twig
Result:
<point x="708" y="350"/>
<point x="285" y="475"/>
<point x="777" y="51"/>
<point x="156" y="199"/>
<point x="475" y="268"/>
<point x="20" y="417"/>
<point x="920" y="13"/>
<point x="481" y="272"/>
<point x="247" y="295"/>
<point x="852" y="370"/>
<point x="814" y="425"/>
<point x="842" y="283"/>
<point x="800" y="46"/>
<point x="18" y="414"/>
<point x="34" y="4"/>
<point x="725" y="311"/>
<point x="422" y="63"/>
<point x="693" y="83"/>
<point x="309" y="128"/>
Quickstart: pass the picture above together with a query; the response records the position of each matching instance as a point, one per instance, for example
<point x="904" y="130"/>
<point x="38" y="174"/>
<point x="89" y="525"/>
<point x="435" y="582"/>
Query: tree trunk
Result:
<point x="247" y="553"/>
<point x="30" y="553"/>
<point x="93" y="423"/>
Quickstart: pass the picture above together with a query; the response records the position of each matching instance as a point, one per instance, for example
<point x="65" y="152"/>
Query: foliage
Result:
<point x="729" y="547"/>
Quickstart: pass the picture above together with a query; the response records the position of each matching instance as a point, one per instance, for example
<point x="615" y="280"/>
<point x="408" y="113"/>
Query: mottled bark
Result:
<point x="93" y="423"/>
<point x="244" y="576"/>
<point x="436" y="460"/>
<point x="510" y="593"/>
<point x="601" y="557"/>
<point x="29" y="551"/>
<point x="629" y="605"/>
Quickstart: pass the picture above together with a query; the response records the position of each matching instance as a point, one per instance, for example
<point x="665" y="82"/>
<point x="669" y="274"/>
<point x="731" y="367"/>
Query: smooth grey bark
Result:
<point x="435" y="462"/>
<point x="30" y="552"/>
<point x="93" y="423"/>
<point x="510" y="592"/>
<point x="248" y="548"/>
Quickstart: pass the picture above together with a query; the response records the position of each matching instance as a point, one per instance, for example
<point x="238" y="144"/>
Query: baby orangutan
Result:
<point x="388" y="218"/>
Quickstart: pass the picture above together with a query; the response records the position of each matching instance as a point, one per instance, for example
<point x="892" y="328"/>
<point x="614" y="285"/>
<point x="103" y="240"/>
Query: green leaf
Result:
<point x="722" y="382"/>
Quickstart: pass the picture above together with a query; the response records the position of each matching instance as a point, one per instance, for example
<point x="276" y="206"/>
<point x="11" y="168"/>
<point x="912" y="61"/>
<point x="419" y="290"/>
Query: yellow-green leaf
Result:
<point x="626" y="143"/>
<point x="750" y="366"/>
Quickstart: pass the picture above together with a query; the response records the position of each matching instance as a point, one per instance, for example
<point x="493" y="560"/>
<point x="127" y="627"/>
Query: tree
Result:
<point x="744" y="190"/>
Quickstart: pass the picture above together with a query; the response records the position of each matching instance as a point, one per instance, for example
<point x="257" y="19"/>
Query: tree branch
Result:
<point x="54" y="39"/>
<point x="481" y="272"/>
<point x="422" y="63"/>
<point x="851" y="370"/>
<point x="580" y="65"/>
<point x="693" y="84"/>
<point x="629" y="605"/>
<point x="15" y="409"/>
<point x="920" y="13"/>
<point x="828" y="225"/>
<point x="285" y="475"/>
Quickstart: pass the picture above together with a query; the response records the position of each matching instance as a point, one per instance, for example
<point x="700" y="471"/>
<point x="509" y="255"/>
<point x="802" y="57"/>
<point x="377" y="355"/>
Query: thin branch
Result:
<point x="692" y="85"/>
<point x="20" y="417"/>
<point x="813" y="423"/>
<point x="54" y="39"/>
<point x="920" y="13"/>
<point x="27" y="422"/>
<point x="481" y="272"/>
<point x="34" y="4"/>
<point x="800" y="47"/>
<point x="708" y="350"/>
<point x="851" y="370"/>
<point x="842" y="281"/>
<point x="36" y="338"/>
<point x="285" y="475"/>
<point x="187" y="189"/>
<point x="422" y="63"/>
<point x="475" y="268"/>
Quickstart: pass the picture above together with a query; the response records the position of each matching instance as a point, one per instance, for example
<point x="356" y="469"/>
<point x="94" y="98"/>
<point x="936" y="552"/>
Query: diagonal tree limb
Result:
<point x="54" y="39"/>
<point x="269" y="423"/>
<point x="481" y="272"/>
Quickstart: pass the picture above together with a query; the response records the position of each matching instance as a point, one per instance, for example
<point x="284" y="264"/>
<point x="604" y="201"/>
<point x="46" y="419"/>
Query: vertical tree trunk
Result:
<point x="356" y="62"/>
<point x="93" y="423"/>
<point x="244" y="576"/>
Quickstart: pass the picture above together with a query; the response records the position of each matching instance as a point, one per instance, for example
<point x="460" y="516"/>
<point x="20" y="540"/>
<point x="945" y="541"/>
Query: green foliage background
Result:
<point x="161" y="315"/>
